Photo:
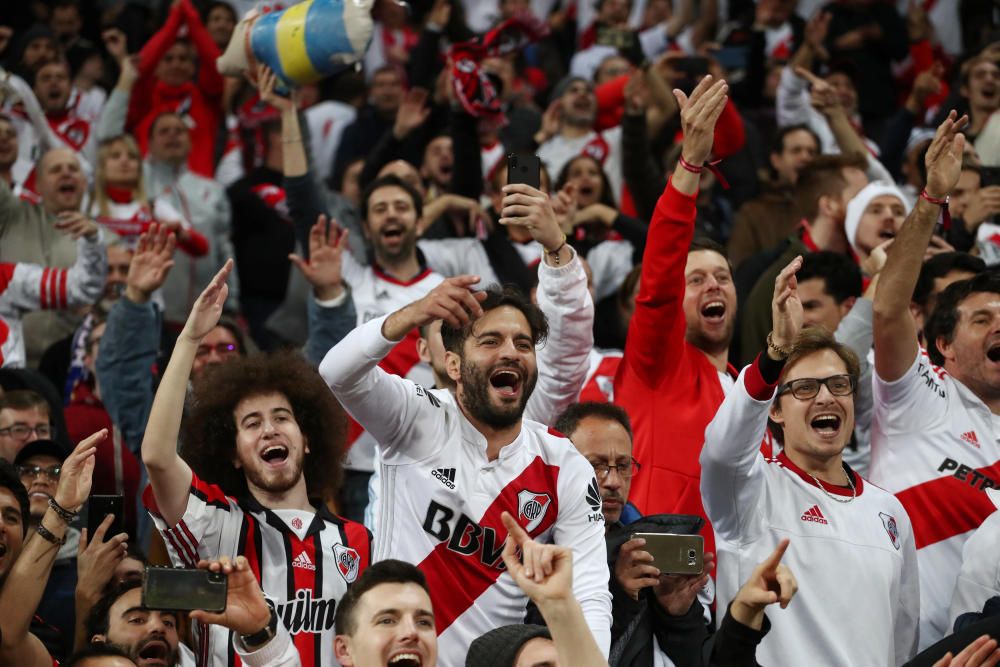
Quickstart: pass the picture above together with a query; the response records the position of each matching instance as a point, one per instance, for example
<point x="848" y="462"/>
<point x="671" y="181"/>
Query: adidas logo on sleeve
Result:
<point x="446" y="476"/>
<point x="815" y="515"/>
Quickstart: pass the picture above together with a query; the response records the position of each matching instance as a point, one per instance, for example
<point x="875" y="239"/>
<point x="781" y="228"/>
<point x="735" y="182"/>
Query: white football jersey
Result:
<point x="934" y="444"/>
<point x="441" y="498"/>
<point x="852" y="552"/>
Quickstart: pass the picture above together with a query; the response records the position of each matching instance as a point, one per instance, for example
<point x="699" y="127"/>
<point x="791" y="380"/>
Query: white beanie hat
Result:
<point x="856" y="207"/>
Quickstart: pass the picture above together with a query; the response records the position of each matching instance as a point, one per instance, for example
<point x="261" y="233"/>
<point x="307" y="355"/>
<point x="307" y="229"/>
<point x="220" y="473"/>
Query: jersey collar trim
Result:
<point x="323" y="514"/>
<point x="832" y="488"/>
<point x="424" y="272"/>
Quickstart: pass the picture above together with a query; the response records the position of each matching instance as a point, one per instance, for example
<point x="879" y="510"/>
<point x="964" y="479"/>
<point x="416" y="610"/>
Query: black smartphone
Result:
<point x="100" y="507"/>
<point x="989" y="176"/>
<point x="525" y="169"/>
<point x="183" y="589"/>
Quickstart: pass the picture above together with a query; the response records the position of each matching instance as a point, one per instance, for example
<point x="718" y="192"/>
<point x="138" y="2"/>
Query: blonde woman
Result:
<point x="120" y="203"/>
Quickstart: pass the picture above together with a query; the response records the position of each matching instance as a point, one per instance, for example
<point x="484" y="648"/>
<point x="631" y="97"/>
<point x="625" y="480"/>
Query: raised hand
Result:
<point x="453" y="301"/>
<point x="207" y="309"/>
<point x="699" y="113"/>
<point x="815" y="34"/>
<point x="786" y="306"/>
<point x="324" y="268"/>
<point x="267" y="81"/>
<point x="551" y="122"/>
<point x="78" y="472"/>
<point x="76" y="224"/>
<point x="543" y="571"/>
<point x="771" y="582"/>
<point x="412" y="113"/>
<point x="944" y="156"/>
<point x="676" y="593"/>
<point x="246" y="609"/>
<point x="116" y="43"/>
<point x="150" y="264"/>
<point x="822" y="96"/>
<point x="96" y="560"/>
<point x="531" y="208"/>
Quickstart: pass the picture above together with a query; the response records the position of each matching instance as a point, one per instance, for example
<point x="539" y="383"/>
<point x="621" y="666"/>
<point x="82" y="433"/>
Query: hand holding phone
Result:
<point x="182" y="589"/>
<point x="525" y="169"/>
<point x="675" y="554"/>
<point x="98" y="508"/>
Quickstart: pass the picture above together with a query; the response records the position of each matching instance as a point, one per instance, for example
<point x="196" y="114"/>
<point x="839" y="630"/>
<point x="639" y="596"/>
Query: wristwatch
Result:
<point x="261" y="637"/>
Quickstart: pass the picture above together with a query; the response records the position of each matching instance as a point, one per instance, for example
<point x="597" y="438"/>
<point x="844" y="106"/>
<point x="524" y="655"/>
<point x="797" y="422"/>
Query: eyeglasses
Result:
<point x="806" y="388"/>
<point x="22" y="431"/>
<point x="221" y="349"/>
<point x="624" y="470"/>
<point x="32" y="472"/>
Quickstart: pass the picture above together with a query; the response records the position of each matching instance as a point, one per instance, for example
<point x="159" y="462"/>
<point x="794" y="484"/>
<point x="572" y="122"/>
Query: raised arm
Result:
<point x="352" y="372"/>
<point x="26" y="580"/>
<point x="545" y="573"/>
<point x="731" y="478"/>
<point x="895" y="332"/>
<point x="131" y="338"/>
<point x="210" y="81"/>
<point x="169" y="475"/>
<point x="563" y="297"/>
<point x="331" y="310"/>
<point x="115" y="111"/>
<point x="658" y="323"/>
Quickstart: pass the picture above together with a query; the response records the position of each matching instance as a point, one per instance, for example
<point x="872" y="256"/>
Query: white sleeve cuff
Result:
<point x="279" y="652"/>
<point x="336" y="301"/>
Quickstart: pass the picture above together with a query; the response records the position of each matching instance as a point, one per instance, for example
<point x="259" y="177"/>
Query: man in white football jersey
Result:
<point x="935" y="438"/>
<point x="451" y="467"/>
<point x="845" y="528"/>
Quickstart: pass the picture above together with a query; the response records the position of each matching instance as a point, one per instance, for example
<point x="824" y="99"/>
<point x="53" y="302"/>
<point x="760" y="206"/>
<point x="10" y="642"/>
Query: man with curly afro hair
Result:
<point x="262" y="444"/>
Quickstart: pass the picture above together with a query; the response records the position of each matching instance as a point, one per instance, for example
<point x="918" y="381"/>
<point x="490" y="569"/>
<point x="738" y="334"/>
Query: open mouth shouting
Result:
<point x="507" y="382"/>
<point x="393" y="233"/>
<point x="275" y="455"/>
<point x="714" y="311"/>
<point x="993" y="351"/>
<point x="826" y="425"/>
<point x="154" y="653"/>
<point x="406" y="659"/>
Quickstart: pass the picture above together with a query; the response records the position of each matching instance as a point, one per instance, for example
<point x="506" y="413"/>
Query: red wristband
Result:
<point x="693" y="168"/>
<point x="933" y="200"/>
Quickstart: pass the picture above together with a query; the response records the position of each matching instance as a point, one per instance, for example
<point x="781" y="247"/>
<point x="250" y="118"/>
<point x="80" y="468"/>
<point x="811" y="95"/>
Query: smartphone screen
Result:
<point x="675" y="554"/>
<point x="182" y="589"/>
<point x="100" y="507"/>
<point x="525" y="169"/>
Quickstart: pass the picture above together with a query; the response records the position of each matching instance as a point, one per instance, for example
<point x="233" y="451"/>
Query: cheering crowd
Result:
<point x="421" y="400"/>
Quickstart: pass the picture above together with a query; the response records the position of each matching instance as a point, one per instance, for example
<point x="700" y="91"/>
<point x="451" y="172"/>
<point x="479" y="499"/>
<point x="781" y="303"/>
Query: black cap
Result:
<point x="499" y="648"/>
<point x="40" y="448"/>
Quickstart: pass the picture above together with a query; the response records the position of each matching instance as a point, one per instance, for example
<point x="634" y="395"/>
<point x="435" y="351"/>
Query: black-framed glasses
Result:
<point x="806" y="388"/>
<point x="32" y="472"/>
<point x="624" y="470"/>
<point x="221" y="349"/>
<point x="22" y="431"/>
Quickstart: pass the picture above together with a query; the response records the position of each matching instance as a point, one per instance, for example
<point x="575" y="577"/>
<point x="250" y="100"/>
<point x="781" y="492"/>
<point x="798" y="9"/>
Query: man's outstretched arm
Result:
<point x="895" y="332"/>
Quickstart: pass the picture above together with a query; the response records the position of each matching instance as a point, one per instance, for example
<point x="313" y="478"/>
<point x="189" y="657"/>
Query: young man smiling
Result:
<point x="272" y="419"/>
<point x="844" y="527"/>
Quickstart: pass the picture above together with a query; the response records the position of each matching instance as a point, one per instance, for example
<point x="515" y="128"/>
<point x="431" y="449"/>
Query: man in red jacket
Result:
<point x="167" y="82"/>
<point x="674" y="372"/>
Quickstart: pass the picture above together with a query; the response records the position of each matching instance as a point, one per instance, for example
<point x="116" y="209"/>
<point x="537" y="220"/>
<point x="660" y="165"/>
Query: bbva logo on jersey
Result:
<point x="348" y="562"/>
<point x="531" y="507"/>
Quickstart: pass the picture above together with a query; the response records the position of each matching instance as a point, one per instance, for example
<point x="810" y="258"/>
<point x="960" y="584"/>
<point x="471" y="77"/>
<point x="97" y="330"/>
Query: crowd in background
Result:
<point x="754" y="286"/>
